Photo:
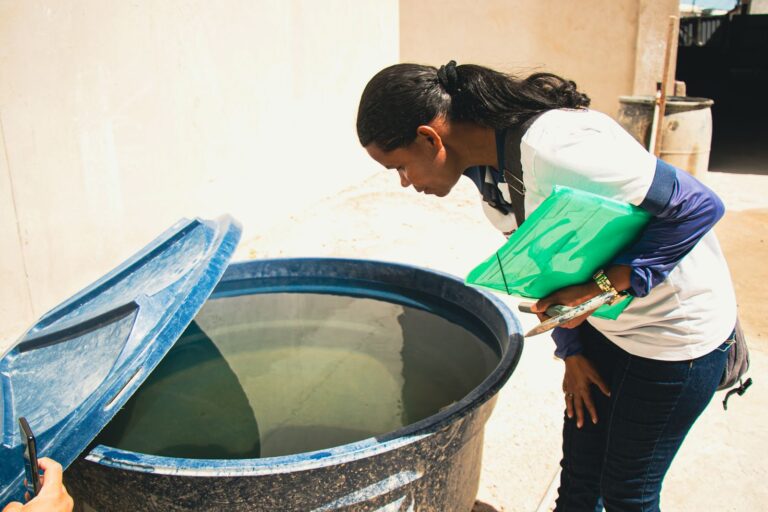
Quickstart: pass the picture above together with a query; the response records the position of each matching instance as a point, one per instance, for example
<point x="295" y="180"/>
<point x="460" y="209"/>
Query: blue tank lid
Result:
<point x="79" y="364"/>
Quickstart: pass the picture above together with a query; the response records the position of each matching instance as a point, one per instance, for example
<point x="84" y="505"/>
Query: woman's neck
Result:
<point x="472" y="144"/>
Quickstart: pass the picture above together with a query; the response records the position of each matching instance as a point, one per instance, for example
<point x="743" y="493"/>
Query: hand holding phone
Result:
<point x="53" y="495"/>
<point x="30" y="458"/>
<point x="552" y="311"/>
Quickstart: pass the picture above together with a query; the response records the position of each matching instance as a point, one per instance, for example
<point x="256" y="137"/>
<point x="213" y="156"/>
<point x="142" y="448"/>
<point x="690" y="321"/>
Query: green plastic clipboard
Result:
<point x="563" y="242"/>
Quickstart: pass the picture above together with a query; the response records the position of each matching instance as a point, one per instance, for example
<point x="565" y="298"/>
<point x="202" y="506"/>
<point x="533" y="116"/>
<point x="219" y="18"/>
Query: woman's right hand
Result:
<point x="579" y="374"/>
<point x="53" y="496"/>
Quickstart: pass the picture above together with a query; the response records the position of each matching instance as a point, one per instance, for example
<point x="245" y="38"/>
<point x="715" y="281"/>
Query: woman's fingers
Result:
<point x="14" y="506"/>
<point x="590" y="406"/>
<point x="540" y="308"/>
<point x="569" y="405"/>
<point x="598" y="381"/>
<point x="569" y="296"/>
<point x="580" y="375"/>
<point x="541" y="305"/>
<point x="592" y="377"/>
<point x="578" y="404"/>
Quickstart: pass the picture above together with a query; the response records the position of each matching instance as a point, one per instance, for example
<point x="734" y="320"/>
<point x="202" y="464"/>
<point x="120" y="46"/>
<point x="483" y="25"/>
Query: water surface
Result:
<point x="274" y="374"/>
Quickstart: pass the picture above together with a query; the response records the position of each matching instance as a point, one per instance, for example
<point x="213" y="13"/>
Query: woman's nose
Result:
<point x="404" y="179"/>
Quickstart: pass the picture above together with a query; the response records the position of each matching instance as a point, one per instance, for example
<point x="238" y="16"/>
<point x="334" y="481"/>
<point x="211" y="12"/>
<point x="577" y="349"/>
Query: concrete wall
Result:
<point x="118" y="118"/>
<point x="652" y="28"/>
<point x="609" y="47"/>
<point x="758" y="7"/>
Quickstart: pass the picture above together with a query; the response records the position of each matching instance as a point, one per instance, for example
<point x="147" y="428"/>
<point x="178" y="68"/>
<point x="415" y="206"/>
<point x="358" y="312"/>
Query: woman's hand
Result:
<point x="568" y="296"/>
<point x="579" y="374"/>
<point x="53" y="496"/>
<point x="619" y="276"/>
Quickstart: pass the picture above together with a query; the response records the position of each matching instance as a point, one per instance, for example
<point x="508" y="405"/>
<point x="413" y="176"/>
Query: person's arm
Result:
<point x="683" y="210"/>
<point x="566" y="338"/>
<point x="567" y="342"/>
<point x="53" y="496"/>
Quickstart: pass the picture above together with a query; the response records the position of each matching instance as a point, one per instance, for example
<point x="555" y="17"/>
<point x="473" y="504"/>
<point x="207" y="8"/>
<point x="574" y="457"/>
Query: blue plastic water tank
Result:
<point x="432" y="464"/>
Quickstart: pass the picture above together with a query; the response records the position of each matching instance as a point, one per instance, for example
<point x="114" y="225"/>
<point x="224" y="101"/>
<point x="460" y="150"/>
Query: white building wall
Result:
<point x="118" y="118"/>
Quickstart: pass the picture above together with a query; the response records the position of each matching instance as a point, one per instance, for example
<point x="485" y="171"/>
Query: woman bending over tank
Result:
<point x="632" y="386"/>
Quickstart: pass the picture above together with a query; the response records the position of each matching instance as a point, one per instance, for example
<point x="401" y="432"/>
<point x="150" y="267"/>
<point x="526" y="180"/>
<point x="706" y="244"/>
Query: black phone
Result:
<point x="30" y="458"/>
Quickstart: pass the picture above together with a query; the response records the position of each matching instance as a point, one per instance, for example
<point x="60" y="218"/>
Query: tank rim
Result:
<point x="145" y="463"/>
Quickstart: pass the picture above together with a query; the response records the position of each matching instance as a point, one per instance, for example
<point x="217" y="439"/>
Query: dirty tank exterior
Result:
<point x="432" y="472"/>
<point x="431" y="465"/>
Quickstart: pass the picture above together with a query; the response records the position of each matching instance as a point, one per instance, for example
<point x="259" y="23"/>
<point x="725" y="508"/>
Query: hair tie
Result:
<point x="448" y="77"/>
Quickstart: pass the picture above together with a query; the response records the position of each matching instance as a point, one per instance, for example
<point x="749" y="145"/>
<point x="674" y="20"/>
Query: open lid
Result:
<point x="79" y="364"/>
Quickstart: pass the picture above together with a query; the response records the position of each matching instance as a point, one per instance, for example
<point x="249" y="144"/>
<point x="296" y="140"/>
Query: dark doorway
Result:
<point x="725" y="58"/>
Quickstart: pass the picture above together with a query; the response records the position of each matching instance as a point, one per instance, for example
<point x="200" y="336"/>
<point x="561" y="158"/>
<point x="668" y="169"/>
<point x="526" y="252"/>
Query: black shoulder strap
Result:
<point x="508" y="152"/>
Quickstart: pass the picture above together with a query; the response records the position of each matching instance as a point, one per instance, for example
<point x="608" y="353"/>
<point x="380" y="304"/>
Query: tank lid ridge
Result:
<point x="79" y="363"/>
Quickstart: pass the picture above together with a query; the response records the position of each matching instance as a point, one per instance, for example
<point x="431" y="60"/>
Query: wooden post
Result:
<point x="662" y="101"/>
<point x="655" y="120"/>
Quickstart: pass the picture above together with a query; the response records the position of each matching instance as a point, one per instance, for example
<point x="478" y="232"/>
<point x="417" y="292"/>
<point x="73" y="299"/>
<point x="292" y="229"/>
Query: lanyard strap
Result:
<point x="508" y="144"/>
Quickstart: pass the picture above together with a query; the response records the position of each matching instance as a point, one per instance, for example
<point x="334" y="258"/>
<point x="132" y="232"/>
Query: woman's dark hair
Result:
<point x="400" y="98"/>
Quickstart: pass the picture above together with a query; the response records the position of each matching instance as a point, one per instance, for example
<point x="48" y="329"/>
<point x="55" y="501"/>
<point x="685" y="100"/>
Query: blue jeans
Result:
<point x="620" y="462"/>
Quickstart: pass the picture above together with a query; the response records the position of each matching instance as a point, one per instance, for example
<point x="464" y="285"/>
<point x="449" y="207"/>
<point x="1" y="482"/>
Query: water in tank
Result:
<point x="270" y="374"/>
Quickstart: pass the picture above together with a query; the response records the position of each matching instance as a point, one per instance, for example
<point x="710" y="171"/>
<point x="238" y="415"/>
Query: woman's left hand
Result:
<point x="580" y="375"/>
<point x="568" y="296"/>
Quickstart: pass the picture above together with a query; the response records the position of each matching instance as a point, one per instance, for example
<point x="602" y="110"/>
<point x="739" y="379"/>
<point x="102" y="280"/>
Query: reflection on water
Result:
<point x="192" y="405"/>
<point x="276" y="374"/>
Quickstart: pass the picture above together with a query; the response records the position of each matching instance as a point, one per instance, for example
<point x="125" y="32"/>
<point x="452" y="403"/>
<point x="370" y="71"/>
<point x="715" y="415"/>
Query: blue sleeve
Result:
<point x="683" y="210"/>
<point x="567" y="342"/>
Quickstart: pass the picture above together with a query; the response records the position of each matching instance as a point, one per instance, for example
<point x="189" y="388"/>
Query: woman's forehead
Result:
<point x="390" y="159"/>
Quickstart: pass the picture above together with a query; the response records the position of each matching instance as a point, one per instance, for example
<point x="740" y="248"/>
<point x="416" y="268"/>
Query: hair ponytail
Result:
<point x="562" y="92"/>
<point x="400" y="98"/>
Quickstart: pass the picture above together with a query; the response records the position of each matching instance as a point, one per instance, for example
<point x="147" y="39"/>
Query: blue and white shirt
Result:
<point x="684" y="304"/>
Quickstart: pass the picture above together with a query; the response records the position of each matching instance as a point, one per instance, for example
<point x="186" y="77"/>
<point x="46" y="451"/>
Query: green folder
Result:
<point x="563" y="242"/>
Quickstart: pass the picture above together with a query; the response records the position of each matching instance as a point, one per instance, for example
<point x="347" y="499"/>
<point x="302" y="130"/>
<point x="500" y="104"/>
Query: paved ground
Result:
<point x="720" y="467"/>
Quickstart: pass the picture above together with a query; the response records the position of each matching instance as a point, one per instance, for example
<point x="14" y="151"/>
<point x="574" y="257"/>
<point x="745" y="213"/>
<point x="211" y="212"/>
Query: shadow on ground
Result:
<point x="484" y="507"/>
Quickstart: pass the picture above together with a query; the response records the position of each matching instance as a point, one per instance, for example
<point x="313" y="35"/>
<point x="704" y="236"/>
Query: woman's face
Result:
<point x="424" y="164"/>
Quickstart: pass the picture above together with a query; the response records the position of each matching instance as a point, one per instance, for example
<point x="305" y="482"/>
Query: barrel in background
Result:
<point x="686" y="131"/>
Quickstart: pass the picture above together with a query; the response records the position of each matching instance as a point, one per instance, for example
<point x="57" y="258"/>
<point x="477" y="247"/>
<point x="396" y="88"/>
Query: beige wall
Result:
<point x="594" y="42"/>
<point x="15" y="301"/>
<point x="758" y="7"/>
<point x="118" y="118"/>
<point x="652" y="30"/>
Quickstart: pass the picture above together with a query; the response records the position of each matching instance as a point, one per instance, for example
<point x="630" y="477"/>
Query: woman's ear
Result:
<point x="428" y="134"/>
